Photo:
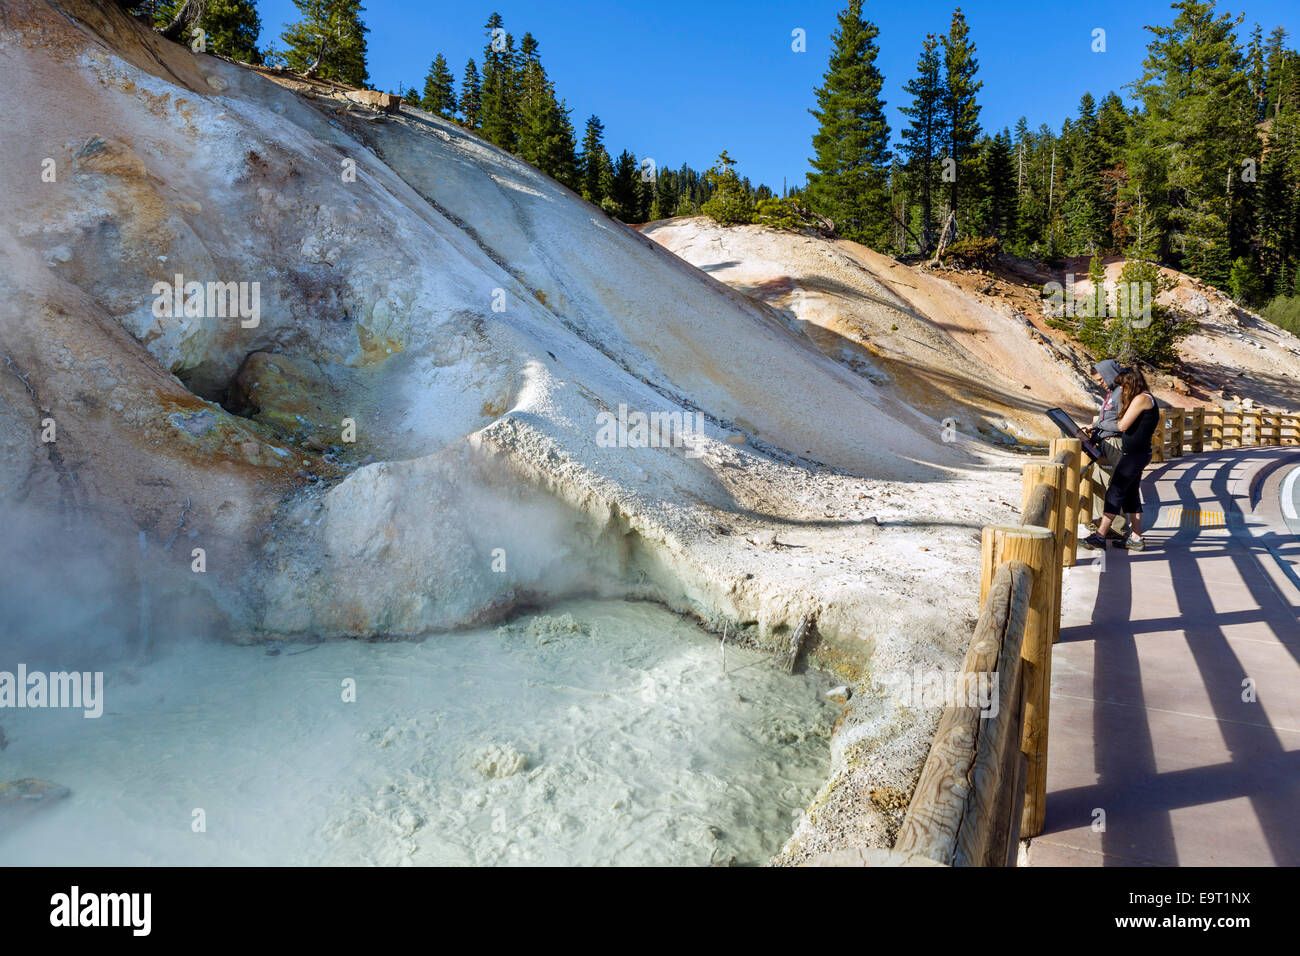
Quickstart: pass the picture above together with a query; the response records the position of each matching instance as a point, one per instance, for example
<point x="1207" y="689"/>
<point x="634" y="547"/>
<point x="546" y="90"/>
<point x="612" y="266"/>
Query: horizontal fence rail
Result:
<point x="983" y="787"/>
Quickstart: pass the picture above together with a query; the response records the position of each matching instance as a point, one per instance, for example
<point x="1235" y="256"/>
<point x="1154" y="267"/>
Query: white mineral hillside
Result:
<point x="975" y="345"/>
<point x="472" y="321"/>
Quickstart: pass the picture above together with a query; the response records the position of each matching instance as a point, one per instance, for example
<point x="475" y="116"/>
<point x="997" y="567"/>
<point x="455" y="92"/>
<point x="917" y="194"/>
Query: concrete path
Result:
<point x="1175" y="713"/>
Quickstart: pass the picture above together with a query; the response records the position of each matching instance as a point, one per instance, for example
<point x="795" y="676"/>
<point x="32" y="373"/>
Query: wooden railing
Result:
<point x="983" y="787"/>
<point x="1186" y="430"/>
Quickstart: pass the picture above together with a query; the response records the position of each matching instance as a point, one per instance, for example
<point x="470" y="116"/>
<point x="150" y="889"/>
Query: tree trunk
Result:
<point x="187" y="16"/>
<point x="949" y="229"/>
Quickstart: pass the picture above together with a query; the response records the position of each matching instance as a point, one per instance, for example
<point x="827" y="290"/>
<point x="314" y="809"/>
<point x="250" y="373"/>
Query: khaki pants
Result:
<point x="1101" y="475"/>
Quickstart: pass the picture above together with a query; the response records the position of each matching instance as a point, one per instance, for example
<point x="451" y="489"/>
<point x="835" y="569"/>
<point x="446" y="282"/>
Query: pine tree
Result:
<point x="471" y="96"/>
<point x="439" y="89"/>
<point x="665" y="202"/>
<point x="230" y="27"/>
<point x="1000" y="175"/>
<point x="549" y="135"/>
<point x="500" y="107"/>
<point x="922" y="137"/>
<point x="623" y="193"/>
<point x="537" y="108"/>
<point x="1195" y="131"/>
<point x="1258" y="75"/>
<point x="1276" y="70"/>
<point x="593" y="160"/>
<point x="852" y="140"/>
<point x="329" y="41"/>
<point x="730" y="203"/>
<point x="961" y="111"/>
<point x="1083" y="211"/>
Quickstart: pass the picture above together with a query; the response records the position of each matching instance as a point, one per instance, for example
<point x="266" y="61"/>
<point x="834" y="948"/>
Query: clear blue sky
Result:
<point x="679" y="81"/>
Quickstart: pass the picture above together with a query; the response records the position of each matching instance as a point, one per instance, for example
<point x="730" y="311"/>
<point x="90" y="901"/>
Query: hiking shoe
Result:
<point x="1113" y="535"/>
<point x="1094" y="542"/>
<point x="1134" y="544"/>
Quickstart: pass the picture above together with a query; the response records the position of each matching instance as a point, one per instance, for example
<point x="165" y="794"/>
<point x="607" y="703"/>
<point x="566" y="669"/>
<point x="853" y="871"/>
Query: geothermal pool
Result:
<point x="599" y="732"/>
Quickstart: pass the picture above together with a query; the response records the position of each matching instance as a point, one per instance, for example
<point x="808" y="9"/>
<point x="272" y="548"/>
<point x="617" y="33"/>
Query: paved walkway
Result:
<point x="1148" y="722"/>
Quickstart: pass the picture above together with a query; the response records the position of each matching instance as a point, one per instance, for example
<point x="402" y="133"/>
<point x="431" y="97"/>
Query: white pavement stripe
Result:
<point x="1288" y="496"/>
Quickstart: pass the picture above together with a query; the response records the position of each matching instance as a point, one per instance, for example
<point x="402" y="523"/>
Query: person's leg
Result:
<point x="1115" y="493"/>
<point x="1133" y="505"/>
<point x="1103" y="476"/>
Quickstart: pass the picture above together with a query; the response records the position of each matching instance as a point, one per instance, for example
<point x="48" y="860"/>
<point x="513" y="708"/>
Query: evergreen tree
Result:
<point x="1279" y="67"/>
<point x="439" y="89"/>
<point x="624" y="192"/>
<point x="1258" y="76"/>
<point x="852" y="140"/>
<point x="961" y="111"/>
<point x="537" y="108"/>
<point x="665" y="201"/>
<point x="1194" y="134"/>
<point x="593" y="160"/>
<point x="230" y="27"/>
<point x="500" y="106"/>
<point x="730" y="203"/>
<point x="329" y="41"/>
<point x="1083" y="210"/>
<point x="1000" y="175"/>
<point x="923" y="135"/>
<point x="471" y="96"/>
<point x="550" y="143"/>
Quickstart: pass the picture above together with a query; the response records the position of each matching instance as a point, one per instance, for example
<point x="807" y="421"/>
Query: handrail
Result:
<point x="984" y="783"/>
<point x="975" y="764"/>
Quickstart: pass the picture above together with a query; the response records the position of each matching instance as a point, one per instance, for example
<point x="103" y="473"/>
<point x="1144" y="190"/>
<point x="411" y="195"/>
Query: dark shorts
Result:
<point x="1123" y="495"/>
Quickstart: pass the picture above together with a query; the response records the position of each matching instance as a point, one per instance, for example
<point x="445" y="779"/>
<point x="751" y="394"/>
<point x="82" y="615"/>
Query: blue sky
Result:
<point x="679" y="81"/>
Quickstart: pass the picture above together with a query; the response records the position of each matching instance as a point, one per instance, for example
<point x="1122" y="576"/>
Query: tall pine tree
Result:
<point x="1194" y="134"/>
<point x="850" y="184"/>
<point x="960" y="109"/>
<point x="922" y="137"/>
<point x="329" y="41"/>
<point x="500" y="108"/>
<point x="593" y="160"/>
<point x="471" y="96"/>
<point x="439" y="89"/>
<point x="230" y="27"/>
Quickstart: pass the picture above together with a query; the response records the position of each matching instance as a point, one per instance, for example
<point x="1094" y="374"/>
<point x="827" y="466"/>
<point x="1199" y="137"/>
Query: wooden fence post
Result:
<point x="1069" y="452"/>
<point x="1088" y="469"/>
<point x="1198" y="430"/>
<point x="1051" y="474"/>
<point x="1037" y="548"/>
<point x="1232" y="429"/>
<point x="1214" y="424"/>
<point x="1178" y="426"/>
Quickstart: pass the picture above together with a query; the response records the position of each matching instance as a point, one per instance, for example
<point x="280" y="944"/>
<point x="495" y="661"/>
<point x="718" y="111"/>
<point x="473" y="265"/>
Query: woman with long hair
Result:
<point x="1138" y="419"/>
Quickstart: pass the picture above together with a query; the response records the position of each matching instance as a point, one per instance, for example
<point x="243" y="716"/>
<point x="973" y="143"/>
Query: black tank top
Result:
<point x="1138" y="437"/>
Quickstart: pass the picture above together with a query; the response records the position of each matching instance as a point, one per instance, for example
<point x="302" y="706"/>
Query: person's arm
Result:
<point x="1136" y="408"/>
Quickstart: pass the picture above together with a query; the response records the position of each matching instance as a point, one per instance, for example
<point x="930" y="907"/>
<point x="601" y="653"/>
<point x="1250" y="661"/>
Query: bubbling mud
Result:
<point x="600" y="732"/>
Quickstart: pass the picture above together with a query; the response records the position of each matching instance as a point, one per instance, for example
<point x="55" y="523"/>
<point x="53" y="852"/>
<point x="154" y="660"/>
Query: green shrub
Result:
<point x="1126" y="332"/>
<point x="973" y="251"/>
<point x="1284" y="312"/>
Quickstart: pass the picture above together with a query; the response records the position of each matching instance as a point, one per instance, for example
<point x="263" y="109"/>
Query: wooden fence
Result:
<point x="984" y="784"/>
<point x="1186" y="430"/>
